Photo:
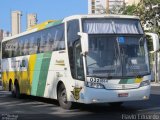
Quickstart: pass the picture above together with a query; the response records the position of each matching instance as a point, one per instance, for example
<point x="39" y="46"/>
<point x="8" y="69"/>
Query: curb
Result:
<point x="155" y="84"/>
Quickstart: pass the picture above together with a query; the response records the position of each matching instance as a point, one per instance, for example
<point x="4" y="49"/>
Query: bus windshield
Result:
<point x="116" y="47"/>
<point x="117" y="56"/>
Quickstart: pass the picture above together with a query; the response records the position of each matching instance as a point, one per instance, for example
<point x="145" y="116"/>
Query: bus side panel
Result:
<point x="6" y="77"/>
<point x="5" y="80"/>
<point x="43" y="74"/>
<point x="31" y="68"/>
<point x="58" y="71"/>
<point x="36" y="74"/>
<point x="7" y="73"/>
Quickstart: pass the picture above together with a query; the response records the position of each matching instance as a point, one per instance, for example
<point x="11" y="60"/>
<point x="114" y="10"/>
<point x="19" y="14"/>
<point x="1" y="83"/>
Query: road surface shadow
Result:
<point x="129" y="106"/>
<point x="51" y="110"/>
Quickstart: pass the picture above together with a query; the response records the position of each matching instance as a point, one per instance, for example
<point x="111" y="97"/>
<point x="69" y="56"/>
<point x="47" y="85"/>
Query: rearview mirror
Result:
<point x="84" y="42"/>
<point x="155" y="41"/>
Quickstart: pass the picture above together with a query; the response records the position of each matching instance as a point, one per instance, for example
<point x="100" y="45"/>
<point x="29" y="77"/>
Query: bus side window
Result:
<point x="50" y="42"/>
<point x="43" y="43"/>
<point x="5" y="53"/>
<point x="10" y="48"/>
<point x="16" y="48"/>
<point x="23" y="46"/>
<point x="79" y="73"/>
<point x="38" y="44"/>
<point x="32" y="45"/>
<point x="26" y="46"/>
<point x="58" y="36"/>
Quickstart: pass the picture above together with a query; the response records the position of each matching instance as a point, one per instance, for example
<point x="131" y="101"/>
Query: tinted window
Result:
<point x="72" y="37"/>
<point x="50" y="39"/>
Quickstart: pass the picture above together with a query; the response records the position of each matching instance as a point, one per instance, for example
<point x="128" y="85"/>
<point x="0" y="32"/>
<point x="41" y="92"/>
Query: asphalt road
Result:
<point x="33" y="108"/>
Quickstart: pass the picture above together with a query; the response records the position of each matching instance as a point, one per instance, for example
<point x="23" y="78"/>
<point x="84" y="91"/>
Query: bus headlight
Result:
<point x="145" y="83"/>
<point x="95" y="85"/>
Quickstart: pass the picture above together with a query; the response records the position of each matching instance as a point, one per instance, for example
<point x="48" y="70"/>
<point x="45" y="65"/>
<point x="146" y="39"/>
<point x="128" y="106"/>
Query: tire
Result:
<point x="17" y="91"/>
<point x="62" y="98"/>
<point x="116" y="104"/>
<point x="12" y="89"/>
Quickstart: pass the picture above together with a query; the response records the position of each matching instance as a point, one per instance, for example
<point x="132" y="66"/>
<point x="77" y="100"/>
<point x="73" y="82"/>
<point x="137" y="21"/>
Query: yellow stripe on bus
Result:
<point x="138" y="80"/>
<point x="31" y="66"/>
<point x="24" y="77"/>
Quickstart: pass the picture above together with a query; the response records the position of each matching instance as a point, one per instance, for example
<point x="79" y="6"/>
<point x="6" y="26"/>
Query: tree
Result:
<point x="149" y="13"/>
<point x="130" y="10"/>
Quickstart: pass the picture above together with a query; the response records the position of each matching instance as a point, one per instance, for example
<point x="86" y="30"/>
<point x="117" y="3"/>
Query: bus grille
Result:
<point x="121" y="86"/>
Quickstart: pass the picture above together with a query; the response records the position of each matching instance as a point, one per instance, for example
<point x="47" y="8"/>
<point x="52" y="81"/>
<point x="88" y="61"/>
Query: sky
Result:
<point x="45" y="9"/>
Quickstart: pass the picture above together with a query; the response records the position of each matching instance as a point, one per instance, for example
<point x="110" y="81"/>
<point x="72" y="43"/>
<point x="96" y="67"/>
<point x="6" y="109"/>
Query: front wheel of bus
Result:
<point x="62" y="97"/>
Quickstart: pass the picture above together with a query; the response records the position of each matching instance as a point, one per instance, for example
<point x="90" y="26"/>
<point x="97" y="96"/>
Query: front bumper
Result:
<point x="103" y="96"/>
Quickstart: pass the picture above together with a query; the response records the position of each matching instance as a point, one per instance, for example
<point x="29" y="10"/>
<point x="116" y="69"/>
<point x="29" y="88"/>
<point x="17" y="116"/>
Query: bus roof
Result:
<point x="100" y="16"/>
<point x="36" y="28"/>
<point x="68" y="19"/>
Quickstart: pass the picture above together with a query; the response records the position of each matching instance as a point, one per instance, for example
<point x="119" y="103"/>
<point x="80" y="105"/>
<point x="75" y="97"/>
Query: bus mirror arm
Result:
<point x="155" y="40"/>
<point x="83" y="53"/>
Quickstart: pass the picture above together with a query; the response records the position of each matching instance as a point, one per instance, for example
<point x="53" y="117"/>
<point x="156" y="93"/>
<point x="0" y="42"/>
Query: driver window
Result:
<point x="79" y="73"/>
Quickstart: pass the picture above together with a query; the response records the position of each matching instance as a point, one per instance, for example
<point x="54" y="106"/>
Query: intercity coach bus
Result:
<point x="82" y="58"/>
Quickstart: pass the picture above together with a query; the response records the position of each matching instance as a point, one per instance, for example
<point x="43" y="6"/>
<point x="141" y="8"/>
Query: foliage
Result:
<point x="130" y="10"/>
<point x="149" y="13"/>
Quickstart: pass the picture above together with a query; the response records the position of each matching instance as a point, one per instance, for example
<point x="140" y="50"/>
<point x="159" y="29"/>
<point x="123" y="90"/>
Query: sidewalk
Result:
<point x="155" y="84"/>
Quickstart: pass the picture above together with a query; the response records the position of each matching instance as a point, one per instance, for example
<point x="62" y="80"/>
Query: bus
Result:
<point x="81" y="59"/>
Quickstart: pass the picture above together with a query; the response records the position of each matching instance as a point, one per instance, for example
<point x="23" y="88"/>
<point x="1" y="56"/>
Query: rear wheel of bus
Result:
<point x="11" y="88"/>
<point x="16" y="90"/>
<point x="62" y="97"/>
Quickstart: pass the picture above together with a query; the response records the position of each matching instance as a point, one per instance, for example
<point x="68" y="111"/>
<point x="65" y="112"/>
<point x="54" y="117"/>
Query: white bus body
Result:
<point x="84" y="58"/>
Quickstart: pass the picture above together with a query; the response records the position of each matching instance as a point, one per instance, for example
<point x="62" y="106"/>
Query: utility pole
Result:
<point x="107" y="6"/>
<point x="155" y="56"/>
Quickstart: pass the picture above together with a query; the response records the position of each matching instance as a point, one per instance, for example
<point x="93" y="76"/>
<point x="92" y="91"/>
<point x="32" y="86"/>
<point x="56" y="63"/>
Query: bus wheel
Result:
<point x="116" y="104"/>
<point x="16" y="90"/>
<point x="62" y="97"/>
<point x="12" y="89"/>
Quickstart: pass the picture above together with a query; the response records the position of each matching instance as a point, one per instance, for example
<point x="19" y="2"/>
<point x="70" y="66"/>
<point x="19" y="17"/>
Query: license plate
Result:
<point x="123" y="95"/>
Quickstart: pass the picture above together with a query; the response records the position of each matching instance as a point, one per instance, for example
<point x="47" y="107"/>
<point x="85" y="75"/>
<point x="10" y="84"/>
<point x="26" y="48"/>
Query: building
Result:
<point x="1" y="35"/>
<point x="102" y="6"/>
<point x="131" y="2"/>
<point x="31" y="20"/>
<point x="107" y="6"/>
<point x="16" y="22"/>
<point x="4" y="34"/>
